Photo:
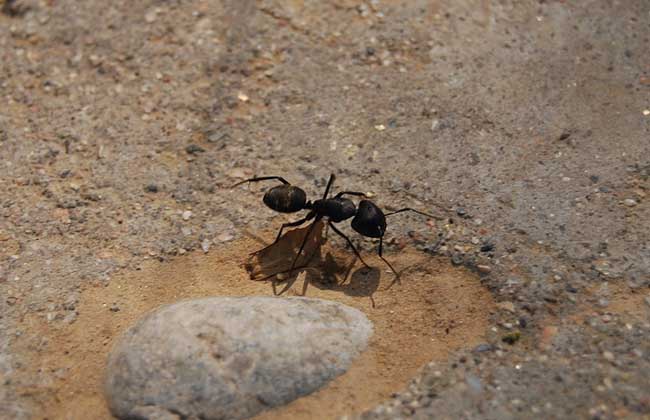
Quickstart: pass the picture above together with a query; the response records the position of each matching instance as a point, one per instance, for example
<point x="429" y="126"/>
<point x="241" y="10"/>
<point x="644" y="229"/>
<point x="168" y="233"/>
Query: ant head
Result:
<point x="369" y="220"/>
<point x="285" y="199"/>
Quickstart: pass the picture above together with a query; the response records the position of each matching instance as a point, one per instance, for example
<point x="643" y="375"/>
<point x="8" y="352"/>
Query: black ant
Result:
<point x="367" y="218"/>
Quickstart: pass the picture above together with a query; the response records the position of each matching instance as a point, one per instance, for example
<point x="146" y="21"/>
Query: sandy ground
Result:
<point x="430" y="313"/>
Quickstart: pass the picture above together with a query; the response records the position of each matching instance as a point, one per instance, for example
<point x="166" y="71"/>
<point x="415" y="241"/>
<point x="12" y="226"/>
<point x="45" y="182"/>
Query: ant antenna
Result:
<point x="415" y="211"/>
<point x="262" y="178"/>
<point x="329" y="185"/>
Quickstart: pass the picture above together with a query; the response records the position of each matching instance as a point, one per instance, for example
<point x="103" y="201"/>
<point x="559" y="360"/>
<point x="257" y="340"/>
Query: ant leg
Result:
<point x="349" y="242"/>
<point x="305" y="285"/>
<point x="381" y="241"/>
<point x="262" y="178"/>
<point x="329" y="185"/>
<point x="416" y="211"/>
<point x="304" y="242"/>
<point x="286" y="225"/>
<point x="300" y="267"/>
<point x="342" y="193"/>
<point x="290" y="284"/>
<point x="286" y="287"/>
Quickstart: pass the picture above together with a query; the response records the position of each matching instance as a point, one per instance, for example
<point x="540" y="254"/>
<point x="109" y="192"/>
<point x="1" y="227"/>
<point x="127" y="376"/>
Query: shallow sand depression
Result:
<point x="432" y="311"/>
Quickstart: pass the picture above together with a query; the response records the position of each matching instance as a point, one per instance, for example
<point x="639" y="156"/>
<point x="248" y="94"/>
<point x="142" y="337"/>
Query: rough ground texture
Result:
<point x="122" y="123"/>
<point x="230" y="358"/>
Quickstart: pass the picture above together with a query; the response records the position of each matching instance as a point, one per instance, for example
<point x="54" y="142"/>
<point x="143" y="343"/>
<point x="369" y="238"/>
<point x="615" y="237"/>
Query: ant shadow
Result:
<point x="314" y="267"/>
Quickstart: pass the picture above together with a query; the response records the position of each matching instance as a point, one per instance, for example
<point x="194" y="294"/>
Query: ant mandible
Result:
<point x="367" y="218"/>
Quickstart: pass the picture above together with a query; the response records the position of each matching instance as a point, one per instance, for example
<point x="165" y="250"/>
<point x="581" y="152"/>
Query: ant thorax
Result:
<point x="336" y="209"/>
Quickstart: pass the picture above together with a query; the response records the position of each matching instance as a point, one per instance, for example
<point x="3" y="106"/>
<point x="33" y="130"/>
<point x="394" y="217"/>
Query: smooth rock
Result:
<point x="231" y="358"/>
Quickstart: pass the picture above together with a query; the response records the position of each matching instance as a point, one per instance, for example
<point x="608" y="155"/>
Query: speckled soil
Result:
<point x="524" y="124"/>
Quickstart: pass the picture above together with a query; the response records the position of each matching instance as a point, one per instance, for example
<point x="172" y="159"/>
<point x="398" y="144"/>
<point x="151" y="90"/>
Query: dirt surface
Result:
<point x="524" y="123"/>
<point x="429" y="314"/>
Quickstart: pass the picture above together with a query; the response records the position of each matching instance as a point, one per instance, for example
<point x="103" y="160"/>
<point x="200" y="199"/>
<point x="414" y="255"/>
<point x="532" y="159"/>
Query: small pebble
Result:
<point x="149" y="107"/>
<point x="630" y="202"/>
<point x="511" y="338"/>
<point x="152" y="188"/>
<point x="482" y="348"/>
<point x="487" y="247"/>
<point x="95" y="60"/>
<point x="194" y="149"/>
<point x="150" y="16"/>
<point x="217" y="136"/>
<point x="205" y="245"/>
<point x="70" y="303"/>
<point x="506" y="306"/>
<point x="225" y="237"/>
<point x="608" y="355"/>
<point x="457" y="258"/>
<point x="548" y="335"/>
<point x="484" y="269"/>
<point x="186" y="215"/>
<point x="70" y="317"/>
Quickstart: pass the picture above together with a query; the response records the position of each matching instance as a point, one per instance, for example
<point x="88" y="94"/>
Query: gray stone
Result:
<point x="218" y="358"/>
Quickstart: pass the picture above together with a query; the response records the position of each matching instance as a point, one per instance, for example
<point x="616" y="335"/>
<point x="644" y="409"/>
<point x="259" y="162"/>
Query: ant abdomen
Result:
<point x="285" y="199"/>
